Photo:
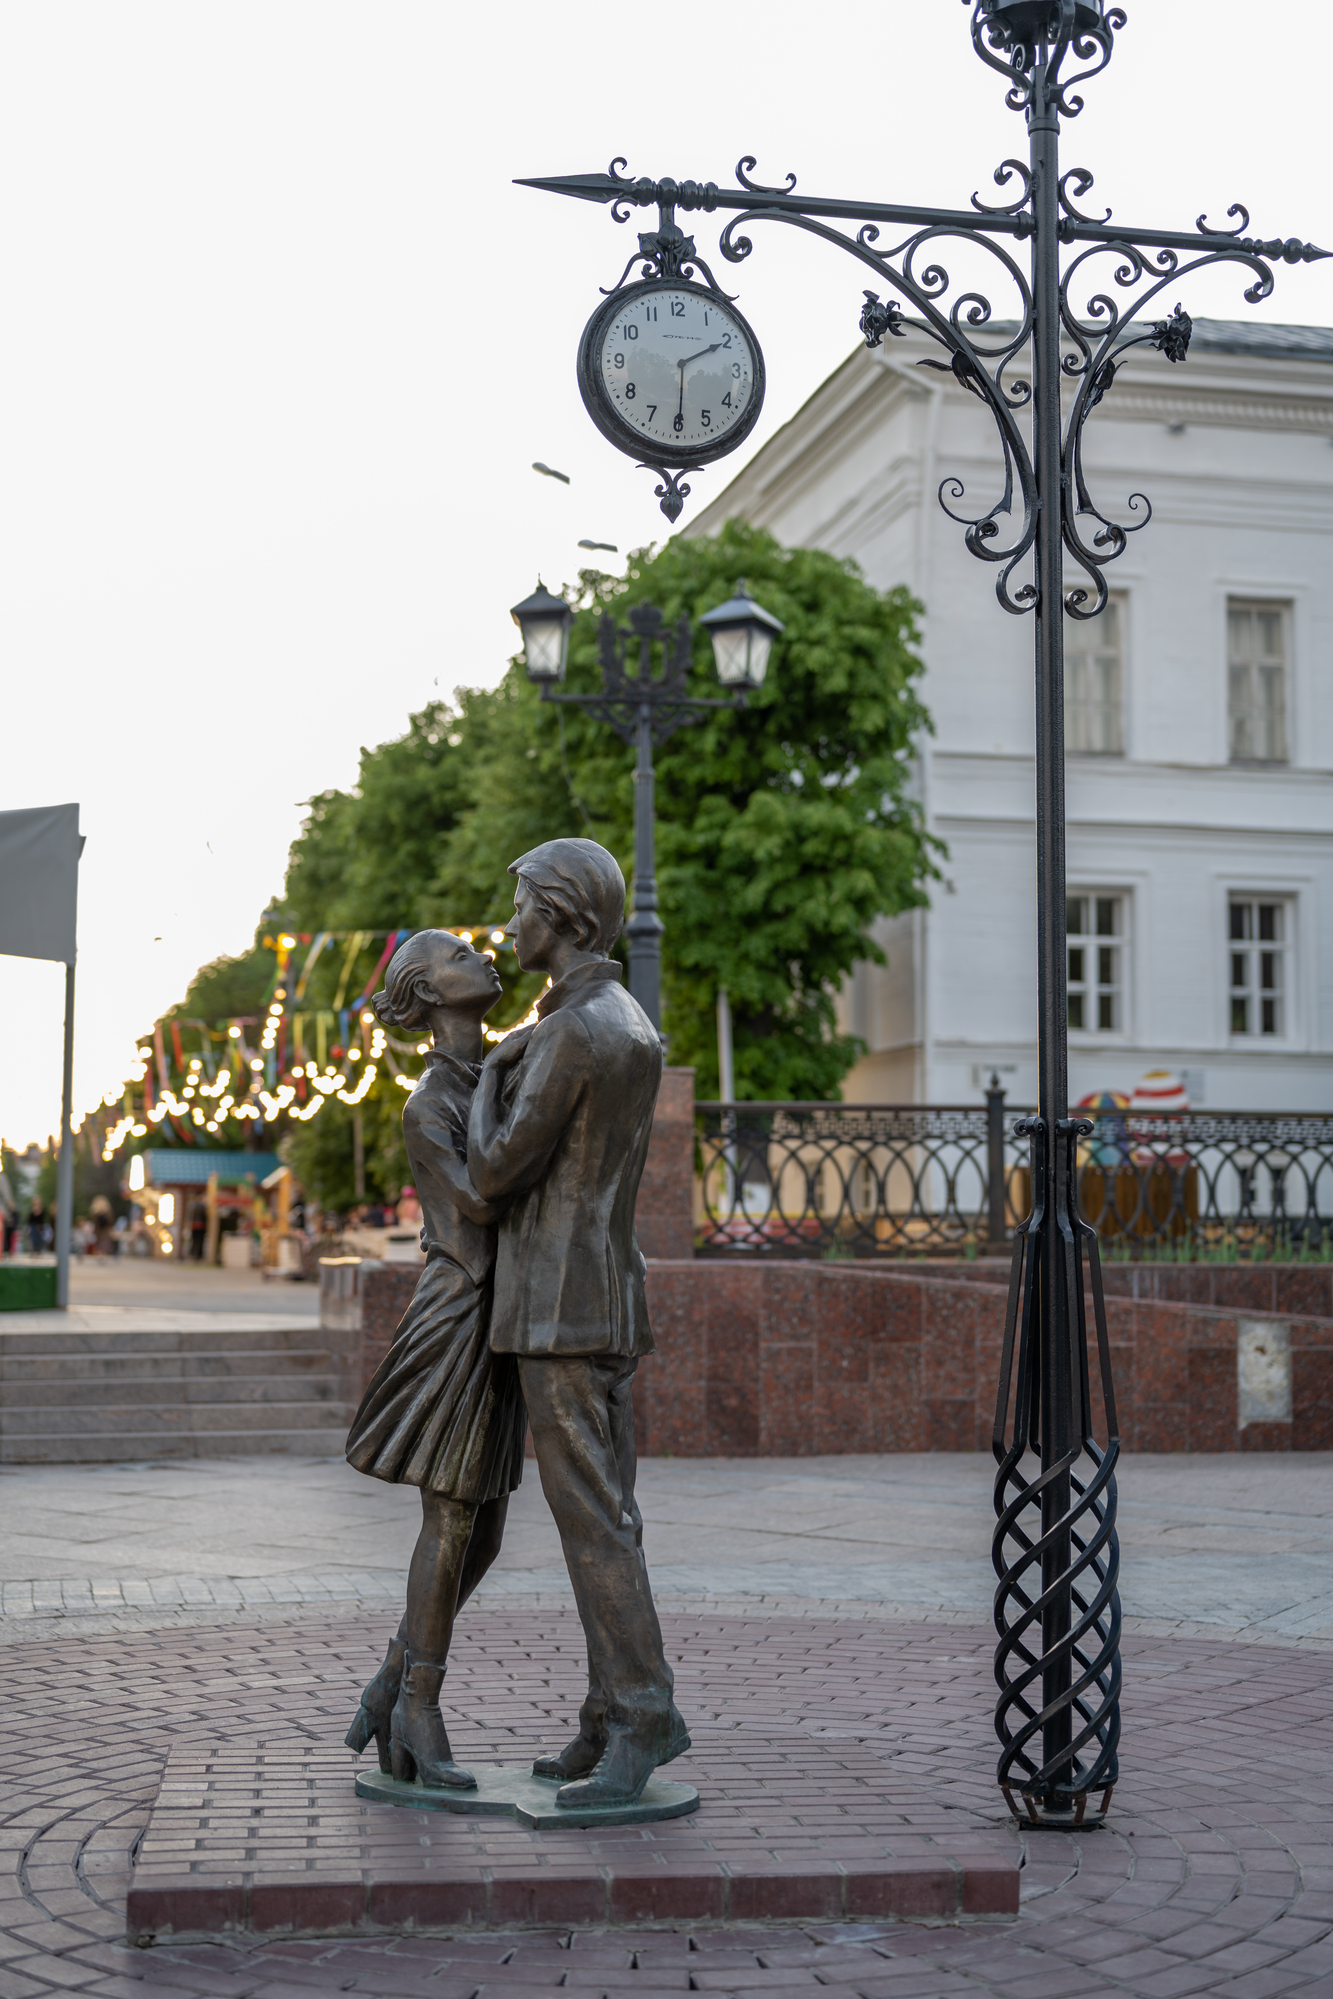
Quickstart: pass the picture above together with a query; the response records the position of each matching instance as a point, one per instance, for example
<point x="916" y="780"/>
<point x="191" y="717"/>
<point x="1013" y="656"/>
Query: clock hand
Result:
<point x="684" y="363"/>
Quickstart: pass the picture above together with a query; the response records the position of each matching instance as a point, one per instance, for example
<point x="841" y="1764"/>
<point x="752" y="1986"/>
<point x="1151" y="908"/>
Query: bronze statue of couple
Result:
<point x="531" y="1310"/>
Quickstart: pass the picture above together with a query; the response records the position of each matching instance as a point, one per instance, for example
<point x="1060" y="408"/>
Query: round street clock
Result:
<point x="671" y="373"/>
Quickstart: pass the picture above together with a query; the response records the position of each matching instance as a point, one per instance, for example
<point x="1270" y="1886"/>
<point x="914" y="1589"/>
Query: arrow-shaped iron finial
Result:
<point x="585" y="187"/>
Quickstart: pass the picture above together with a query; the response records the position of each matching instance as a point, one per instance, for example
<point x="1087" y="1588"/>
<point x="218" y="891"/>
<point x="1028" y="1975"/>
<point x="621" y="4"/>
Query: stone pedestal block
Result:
<point x="664" y="1216"/>
<point x="340" y="1303"/>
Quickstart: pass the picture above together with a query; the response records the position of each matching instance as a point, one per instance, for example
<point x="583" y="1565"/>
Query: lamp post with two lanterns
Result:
<point x="644" y="708"/>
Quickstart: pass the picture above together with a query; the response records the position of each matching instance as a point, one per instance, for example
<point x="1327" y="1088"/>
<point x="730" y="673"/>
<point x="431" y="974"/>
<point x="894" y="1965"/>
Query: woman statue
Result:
<point x="442" y="1413"/>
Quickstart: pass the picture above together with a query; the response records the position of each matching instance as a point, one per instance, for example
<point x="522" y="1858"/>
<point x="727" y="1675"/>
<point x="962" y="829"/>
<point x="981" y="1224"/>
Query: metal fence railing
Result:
<point x="881" y="1180"/>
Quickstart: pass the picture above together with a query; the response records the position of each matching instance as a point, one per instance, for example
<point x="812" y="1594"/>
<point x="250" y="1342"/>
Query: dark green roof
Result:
<point x="184" y="1166"/>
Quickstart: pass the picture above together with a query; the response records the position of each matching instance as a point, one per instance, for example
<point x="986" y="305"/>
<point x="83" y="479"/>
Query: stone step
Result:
<point x="129" y="1447"/>
<point x="18" y="1370"/>
<point x="151" y="1391"/>
<point x="172" y="1385"/>
<point x="300" y="1338"/>
<point x="149" y="1419"/>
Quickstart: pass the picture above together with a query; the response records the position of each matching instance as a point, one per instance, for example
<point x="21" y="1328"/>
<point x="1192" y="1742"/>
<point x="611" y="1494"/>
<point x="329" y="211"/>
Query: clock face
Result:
<point x="669" y="371"/>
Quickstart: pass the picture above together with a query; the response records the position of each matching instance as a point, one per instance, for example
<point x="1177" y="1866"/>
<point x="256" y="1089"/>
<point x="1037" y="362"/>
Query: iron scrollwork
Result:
<point x="624" y="698"/>
<point x="1096" y="339"/>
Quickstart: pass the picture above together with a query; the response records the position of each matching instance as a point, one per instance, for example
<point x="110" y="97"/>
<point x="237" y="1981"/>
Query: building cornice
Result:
<point x="1237" y="410"/>
<point x="1219" y="388"/>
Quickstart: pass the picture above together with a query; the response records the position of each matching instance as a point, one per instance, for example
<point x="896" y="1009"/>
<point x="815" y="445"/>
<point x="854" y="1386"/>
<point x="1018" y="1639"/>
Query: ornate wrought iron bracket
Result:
<point x="665" y="252"/>
<point x="1095" y="338"/>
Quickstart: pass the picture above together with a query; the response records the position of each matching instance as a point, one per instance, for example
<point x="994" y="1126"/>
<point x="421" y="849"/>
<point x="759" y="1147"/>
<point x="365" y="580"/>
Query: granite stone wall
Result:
<point x="1303" y="1288"/>
<point x="386" y="1292"/>
<point x="806" y="1359"/>
<point x="813" y="1359"/>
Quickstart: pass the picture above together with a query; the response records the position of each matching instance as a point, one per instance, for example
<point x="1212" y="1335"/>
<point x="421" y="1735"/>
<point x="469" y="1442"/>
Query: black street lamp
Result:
<point x="645" y="708"/>
<point x="742" y="633"/>
<point x="545" y="621"/>
<point x="671" y="373"/>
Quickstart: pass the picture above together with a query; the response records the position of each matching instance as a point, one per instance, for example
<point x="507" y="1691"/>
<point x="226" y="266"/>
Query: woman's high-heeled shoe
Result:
<point x="419" y="1744"/>
<point x="375" y="1714"/>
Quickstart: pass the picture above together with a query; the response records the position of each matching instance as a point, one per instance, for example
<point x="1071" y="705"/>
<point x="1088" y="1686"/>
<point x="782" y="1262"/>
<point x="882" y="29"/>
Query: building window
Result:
<point x="1258" y="951"/>
<point x="1094" y="682"/>
<point x="1097" y="948"/>
<point x="1257" y="682"/>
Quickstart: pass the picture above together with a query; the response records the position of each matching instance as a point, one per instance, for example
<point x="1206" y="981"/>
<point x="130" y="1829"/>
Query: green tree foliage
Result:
<point x="787" y="828"/>
<point x="226" y="989"/>
<point x="783" y="830"/>
<point x="368" y="858"/>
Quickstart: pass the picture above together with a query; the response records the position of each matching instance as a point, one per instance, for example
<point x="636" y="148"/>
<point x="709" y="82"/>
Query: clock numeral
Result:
<point x="678" y="308"/>
<point x="631" y="333"/>
<point x="705" y="417"/>
<point x="620" y="360"/>
<point x="678" y="423"/>
<point x="726" y="340"/>
<point x="726" y="400"/>
<point x="650" y="312"/>
<point x="652" y="411"/>
<point x="629" y="392"/>
<point x="736" y="369"/>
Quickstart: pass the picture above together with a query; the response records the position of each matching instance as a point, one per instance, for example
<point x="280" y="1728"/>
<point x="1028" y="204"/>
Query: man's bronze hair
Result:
<point x="580" y="886"/>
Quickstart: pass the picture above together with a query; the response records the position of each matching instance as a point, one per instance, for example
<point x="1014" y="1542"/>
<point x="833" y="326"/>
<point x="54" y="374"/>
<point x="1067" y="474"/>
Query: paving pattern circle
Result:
<point x="1214" y="1874"/>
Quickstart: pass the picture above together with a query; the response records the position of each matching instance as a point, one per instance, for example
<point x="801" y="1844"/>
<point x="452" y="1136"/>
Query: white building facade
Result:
<point x="1199" y="713"/>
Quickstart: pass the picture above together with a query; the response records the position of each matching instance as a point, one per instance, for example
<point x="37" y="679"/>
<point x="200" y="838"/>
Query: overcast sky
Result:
<point x="280" y="343"/>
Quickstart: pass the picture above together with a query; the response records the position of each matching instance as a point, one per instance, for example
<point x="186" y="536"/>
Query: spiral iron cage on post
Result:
<point x="1056" y="1609"/>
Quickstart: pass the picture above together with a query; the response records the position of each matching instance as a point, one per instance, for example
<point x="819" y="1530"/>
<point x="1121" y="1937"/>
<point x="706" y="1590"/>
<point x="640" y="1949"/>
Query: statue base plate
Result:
<point x="511" y="1791"/>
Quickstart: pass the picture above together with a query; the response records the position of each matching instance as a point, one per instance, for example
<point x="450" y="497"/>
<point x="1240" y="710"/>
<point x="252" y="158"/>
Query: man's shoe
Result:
<point x="579" y="1759"/>
<point x="678" y="1739"/>
<point x="619" y="1778"/>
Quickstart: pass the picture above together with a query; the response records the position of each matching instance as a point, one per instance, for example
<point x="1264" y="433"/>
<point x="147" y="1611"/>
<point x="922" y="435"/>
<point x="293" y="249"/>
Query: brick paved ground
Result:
<point x="1216" y="1875"/>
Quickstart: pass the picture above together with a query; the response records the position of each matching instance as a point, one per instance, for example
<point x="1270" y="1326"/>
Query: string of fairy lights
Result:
<point x="251" y="1083"/>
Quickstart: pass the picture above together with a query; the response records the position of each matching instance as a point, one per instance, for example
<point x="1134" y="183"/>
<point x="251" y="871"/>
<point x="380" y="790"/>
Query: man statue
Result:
<point x="559" y="1129"/>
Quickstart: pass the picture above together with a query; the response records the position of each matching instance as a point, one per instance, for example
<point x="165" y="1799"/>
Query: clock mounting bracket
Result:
<point x="665" y="252"/>
<point x="665" y="255"/>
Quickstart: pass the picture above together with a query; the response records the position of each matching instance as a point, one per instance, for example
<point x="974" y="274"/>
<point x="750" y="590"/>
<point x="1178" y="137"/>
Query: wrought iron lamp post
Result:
<point x="1056" y="1558"/>
<point x="645" y="708"/>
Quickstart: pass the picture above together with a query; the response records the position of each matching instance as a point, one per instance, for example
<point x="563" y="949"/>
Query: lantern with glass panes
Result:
<point x="544" y="620"/>
<point x="742" y="633"/>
